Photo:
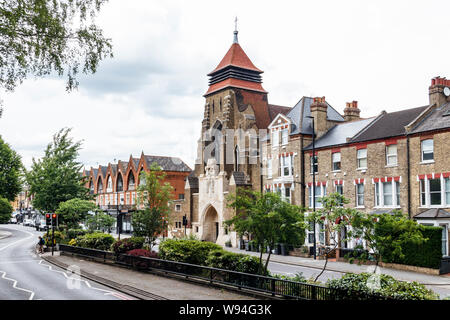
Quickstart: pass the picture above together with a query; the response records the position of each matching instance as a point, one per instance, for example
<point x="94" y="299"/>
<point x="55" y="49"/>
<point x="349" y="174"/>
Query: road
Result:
<point x="25" y="276"/>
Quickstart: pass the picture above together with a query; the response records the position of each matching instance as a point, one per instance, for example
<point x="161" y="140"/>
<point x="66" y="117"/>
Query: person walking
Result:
<point x="41" y="243"/>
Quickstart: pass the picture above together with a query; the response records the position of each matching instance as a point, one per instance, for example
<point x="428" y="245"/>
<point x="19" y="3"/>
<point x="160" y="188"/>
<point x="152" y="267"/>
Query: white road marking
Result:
<point x="15" y="285"/>
<point x="107" y="292"/>
<point x="16" y="242"/>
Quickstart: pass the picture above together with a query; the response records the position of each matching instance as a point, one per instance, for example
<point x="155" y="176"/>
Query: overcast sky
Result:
<point x="149" y="97"/>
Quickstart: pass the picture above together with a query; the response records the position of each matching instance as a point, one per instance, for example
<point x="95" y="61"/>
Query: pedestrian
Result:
<point x="41" y="243"/>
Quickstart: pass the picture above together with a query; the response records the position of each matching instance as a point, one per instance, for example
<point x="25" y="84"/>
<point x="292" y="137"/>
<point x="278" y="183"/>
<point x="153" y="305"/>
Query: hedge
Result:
<point x="427" y="254"/>
<point x="127" y="244"/>
<point x="99" y="241"/>
<point x="239" y="262"/>
<point x="187" y="251"/>
<point x="359" y="286"/>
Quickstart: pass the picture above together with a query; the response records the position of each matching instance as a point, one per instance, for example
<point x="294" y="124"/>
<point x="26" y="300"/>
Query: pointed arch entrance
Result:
<point x="211" y="225"/>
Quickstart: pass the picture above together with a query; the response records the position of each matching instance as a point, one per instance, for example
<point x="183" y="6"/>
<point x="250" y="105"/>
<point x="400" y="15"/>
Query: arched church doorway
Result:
<point x="211" y="225"/>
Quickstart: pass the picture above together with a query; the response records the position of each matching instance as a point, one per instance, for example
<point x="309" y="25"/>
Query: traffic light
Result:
<point x="48" y="219"/>
<point x="54" y="219"/>
<point x="185" y="221"/>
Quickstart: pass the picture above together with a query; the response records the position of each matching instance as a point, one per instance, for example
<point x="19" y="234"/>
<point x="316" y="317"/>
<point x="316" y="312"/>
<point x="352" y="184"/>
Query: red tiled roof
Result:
<point x="236" y="57"/>
<point x="237" y="83"/>
<point x="274" y="110"/>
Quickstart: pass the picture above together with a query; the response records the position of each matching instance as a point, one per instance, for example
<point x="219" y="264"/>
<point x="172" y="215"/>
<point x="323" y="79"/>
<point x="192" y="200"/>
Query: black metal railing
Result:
<point x="239" y="280"/>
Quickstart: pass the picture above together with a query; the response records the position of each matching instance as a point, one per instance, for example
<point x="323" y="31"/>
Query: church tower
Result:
<point x="235" y="110"/>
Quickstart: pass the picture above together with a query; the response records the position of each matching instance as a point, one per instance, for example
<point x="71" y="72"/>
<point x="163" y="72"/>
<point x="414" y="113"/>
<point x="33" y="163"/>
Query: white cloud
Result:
<point x="149" y="96"/>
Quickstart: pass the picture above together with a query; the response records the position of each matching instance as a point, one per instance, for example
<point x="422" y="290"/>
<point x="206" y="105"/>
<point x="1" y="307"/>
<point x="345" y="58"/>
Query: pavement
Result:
<point x="438" y="283"/>
<point x="141" y="284"/>
<point x="4" y="234"/>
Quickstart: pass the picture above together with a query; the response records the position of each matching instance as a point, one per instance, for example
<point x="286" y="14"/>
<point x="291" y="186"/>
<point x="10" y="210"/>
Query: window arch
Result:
<point x="100" y="186"/>
<point x="119" y="186"/>
<point x="131" y="181"/>
<point x="109" y="187"/>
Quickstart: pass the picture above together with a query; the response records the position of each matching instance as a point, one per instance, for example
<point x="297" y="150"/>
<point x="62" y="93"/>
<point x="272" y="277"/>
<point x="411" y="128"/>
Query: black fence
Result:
<point x="239" y="280"/>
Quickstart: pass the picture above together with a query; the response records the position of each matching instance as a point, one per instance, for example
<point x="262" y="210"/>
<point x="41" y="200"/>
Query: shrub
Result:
<point x="73" y="233"/>
<point x="222" y="259"/>
<point x="127" y="244"/>
<point x="356" y="286"/>
<point x="188" y="251"/>
<point x="59" y="237"/>
<point x="99" y="241"/>
<point x="143" y="253"/>
<point x="6" y="210"/>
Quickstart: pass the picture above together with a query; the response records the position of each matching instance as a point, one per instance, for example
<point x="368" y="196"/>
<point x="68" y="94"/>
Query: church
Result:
<point x="236" y="116"/>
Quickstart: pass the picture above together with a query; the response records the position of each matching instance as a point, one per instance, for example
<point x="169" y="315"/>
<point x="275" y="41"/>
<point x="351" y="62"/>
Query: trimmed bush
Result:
<point x="99" y="241"/>
<point x="127" y="244"/>
<point x="222" y="259"/>
<point x="143" y="253"/>
<point x="357" y="286"/>
<point x="427" y="254"/>
<point x="74" y="233"/>
<point x="188" y="251"/>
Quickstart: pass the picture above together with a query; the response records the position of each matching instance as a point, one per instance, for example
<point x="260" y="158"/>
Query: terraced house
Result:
<point x="392" y="161"/>
<point x="115" y="185"/>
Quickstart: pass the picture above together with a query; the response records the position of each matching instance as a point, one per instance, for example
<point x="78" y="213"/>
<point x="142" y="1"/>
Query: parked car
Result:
<point x="27" y="222"/>
<point x="41" y="225"/>
<point x="13" y="220"/>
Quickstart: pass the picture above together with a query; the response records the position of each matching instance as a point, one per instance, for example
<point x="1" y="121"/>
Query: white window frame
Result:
<point x="275" y="138"/>
<point x="323" y="193"/>
<point x="425" y="191"/>
<point x="379" y="194"/>
<point x="333" y="161"/>
<point x="358" y="194"/>
<point x="359" y="158"/>
<point x="391" y="153"/>
<point x="286" y="163"/>
<point x="269" y="168"/>
<point x="424" y="150"/>
<point x="285" y="136"/>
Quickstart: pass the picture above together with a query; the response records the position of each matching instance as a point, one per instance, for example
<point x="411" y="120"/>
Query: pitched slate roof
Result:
<point x="389" y="125"/>
<point x="168" y="163"/>
<point x="299" y="113"/>
<point x="339" y="133"/>
<point x="439" y="118"/>
<point x="95" y="172"/>
<point x="434" y="213"/>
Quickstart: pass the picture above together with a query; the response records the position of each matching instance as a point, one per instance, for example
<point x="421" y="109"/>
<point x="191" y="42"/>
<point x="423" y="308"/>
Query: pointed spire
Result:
<point x="235" y="31"/>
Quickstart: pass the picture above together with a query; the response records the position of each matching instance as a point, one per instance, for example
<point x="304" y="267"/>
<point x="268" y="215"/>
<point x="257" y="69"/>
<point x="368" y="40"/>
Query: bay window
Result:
<point x="319" y="192"/>
<point x="387" y="194"/>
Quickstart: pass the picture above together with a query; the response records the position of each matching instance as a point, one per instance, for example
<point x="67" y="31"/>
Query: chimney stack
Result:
<point x="319" y="112"/>
<point x="351" y="112"/>
<point x="436" y="91"/>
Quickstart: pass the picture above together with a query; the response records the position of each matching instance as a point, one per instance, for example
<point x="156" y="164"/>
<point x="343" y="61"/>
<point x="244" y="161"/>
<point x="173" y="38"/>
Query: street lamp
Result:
<point x="314" y="180"/>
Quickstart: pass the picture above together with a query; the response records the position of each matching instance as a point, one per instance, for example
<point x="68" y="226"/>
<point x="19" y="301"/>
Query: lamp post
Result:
<point x="119" y="220"/>
<point x="314" y="181"/>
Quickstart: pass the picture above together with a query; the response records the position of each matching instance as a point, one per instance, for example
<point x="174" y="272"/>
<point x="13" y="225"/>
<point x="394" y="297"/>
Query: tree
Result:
<point x="335" y="218"/>
<point x="100" y="221"/>
<point x="154" y="197"/>
<point x="74" y="211"/>
<point x="385" y="234"/>
<point x="39" y="37"/>
<point x="10" y="172"/>
<point x="268" y="219"/>
<point x="57" y="176"/>
<point x="6" y="210"/>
